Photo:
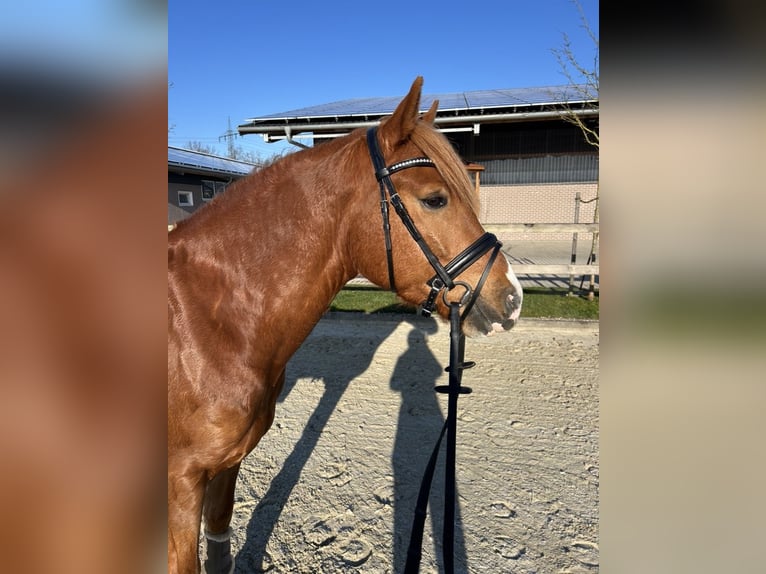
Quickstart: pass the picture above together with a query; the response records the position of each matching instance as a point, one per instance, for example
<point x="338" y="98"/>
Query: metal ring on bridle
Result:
<point x="464" y="298"/>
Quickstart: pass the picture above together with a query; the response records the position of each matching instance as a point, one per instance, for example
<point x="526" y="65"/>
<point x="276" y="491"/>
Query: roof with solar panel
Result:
<point x="204" y="162"/>
<point x="479" y="105"/>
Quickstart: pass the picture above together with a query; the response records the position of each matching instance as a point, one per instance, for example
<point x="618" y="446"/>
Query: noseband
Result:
<point x="444" y="280"/>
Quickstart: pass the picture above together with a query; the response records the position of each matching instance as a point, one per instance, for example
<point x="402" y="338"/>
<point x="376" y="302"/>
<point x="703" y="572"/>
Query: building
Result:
<point x="194" y="178"/>
<point x="533" y="164"/>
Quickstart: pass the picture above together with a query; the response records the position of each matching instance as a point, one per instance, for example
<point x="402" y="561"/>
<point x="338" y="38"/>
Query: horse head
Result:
<point x="437" y="234"/>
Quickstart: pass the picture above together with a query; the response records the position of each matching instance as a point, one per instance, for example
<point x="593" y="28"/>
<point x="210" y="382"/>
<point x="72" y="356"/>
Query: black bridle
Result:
<point x="444" y="280"/>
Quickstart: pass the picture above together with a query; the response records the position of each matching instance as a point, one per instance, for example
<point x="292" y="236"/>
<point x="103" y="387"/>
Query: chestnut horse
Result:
<point x="251" y="274"/>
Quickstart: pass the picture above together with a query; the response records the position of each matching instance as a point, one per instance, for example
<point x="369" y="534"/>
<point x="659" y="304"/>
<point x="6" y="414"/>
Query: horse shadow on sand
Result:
<point x="419" y="423"/>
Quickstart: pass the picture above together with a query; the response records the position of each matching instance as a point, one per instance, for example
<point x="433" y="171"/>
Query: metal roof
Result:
<point x="186" y="159"/>
<point x="511" y="104"/>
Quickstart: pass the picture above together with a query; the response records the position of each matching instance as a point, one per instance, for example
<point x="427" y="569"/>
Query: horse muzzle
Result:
<point x="496" y="311"/>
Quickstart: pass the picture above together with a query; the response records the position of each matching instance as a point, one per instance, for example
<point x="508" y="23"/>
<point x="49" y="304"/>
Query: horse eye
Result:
<point x="434" y="201"/>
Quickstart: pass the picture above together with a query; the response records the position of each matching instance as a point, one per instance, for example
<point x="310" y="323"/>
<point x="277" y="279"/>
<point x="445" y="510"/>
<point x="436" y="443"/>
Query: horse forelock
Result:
<point x="449" y="165"/>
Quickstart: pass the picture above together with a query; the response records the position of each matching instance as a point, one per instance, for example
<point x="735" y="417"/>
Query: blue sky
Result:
<point x="243" y="58"/>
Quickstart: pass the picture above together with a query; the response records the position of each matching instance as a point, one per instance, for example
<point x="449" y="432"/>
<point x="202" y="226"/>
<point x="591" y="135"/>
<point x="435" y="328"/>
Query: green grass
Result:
<point x="541" y="303"/>
<point x="556" y="304"/>
<point x="368" y="300"/>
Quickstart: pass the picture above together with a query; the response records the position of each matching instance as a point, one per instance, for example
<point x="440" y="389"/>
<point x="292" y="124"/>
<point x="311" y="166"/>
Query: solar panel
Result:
<point x="189" y="158"/>
<point x="478" y="99"/>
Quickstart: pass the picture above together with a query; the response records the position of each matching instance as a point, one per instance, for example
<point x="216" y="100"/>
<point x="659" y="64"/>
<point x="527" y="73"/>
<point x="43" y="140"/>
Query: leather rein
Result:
<point x="442" y="282"/>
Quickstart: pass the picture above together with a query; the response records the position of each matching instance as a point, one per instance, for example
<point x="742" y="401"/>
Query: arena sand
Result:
<point x="332" y="486"/>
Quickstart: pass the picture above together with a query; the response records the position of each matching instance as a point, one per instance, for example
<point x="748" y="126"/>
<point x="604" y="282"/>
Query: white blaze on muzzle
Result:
<point x="518" y="297"/>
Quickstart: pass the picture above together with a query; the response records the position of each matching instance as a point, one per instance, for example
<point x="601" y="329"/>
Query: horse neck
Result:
<point x="278" y="239"/>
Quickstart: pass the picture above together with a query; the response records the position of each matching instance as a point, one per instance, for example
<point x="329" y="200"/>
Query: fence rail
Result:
<point x="498" y="228"/>
<point x="554" y="269"/>
<point x="563" y="269"/>
<point x="545" y="268"/>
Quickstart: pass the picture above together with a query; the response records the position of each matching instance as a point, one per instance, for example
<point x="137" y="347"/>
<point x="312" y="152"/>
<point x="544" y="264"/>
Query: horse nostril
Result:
<point x="512" y="302"/>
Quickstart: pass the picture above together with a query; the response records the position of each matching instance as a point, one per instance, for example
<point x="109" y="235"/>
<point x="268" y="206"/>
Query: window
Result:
<point x="185" y="199"/>
<point x="208" y="190"/>
<point x="211" y="188"/>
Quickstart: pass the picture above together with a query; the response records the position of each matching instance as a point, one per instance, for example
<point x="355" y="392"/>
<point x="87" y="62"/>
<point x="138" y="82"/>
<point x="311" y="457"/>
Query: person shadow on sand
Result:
<point x="420" y="421"/>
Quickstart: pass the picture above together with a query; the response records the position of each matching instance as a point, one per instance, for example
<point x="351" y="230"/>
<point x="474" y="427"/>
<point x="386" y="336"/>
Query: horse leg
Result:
<point x="219" y="498"/>
<point x="217" y="510"/>
<point x="185" y="495"/>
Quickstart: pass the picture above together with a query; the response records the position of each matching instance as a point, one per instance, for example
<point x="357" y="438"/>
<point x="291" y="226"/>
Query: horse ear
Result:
<point x="430" y="115"/>
<point x="397" y="128"/>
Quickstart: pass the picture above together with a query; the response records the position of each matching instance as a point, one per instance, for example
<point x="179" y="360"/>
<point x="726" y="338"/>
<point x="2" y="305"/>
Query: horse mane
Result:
<point x="449" y="165"/>
<point x="430" y="141"/>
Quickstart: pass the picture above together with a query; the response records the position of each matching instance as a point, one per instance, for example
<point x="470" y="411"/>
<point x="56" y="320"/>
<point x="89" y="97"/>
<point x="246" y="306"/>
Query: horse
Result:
<point x="252" y="272"/>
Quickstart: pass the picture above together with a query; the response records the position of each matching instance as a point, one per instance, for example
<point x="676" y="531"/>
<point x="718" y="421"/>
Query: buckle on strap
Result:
<point x="381" y="173"/>
<point x="427" y="307"/>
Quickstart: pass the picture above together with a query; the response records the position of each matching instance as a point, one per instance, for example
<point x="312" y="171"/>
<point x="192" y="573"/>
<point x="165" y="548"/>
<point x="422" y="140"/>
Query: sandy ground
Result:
<point x="332" y="486"/>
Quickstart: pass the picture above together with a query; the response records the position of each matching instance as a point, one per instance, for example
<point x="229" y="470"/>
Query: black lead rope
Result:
<point x="457" y="364"/>
<point x="453" y="390"/>
<point x="443" y="282"/>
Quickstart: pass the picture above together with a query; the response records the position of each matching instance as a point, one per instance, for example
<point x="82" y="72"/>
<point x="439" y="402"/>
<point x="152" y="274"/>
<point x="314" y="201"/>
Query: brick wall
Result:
<point x="537" y="203"/>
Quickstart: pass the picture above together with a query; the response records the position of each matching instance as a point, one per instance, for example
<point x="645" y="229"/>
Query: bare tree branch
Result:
<point x="584" y="82"/>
